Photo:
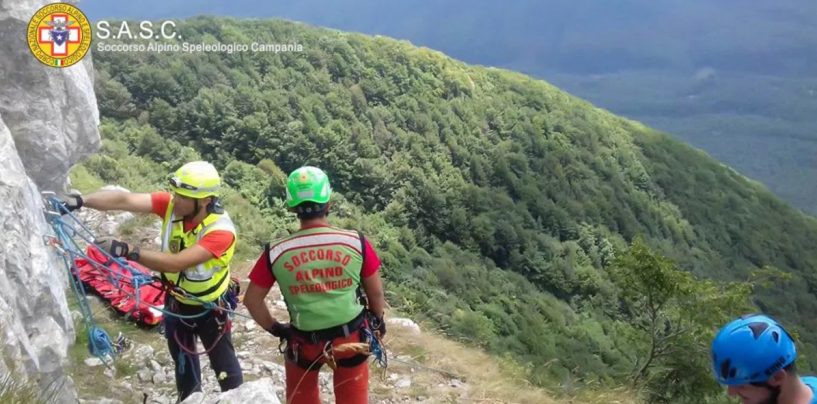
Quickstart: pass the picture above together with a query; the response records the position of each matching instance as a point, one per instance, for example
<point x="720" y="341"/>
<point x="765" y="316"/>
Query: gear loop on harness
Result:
<point x="369" y="345"/>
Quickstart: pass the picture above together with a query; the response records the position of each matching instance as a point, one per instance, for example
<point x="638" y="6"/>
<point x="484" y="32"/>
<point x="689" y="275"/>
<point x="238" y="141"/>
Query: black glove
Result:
<point x="378" y="324"/>
<point x="280" y="330"/>
<point x="117" y="248"/>
<point x="70" y="203"/>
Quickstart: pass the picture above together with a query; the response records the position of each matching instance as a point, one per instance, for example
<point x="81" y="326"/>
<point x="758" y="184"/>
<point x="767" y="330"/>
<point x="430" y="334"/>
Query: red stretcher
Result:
<point x="116" y="285"/>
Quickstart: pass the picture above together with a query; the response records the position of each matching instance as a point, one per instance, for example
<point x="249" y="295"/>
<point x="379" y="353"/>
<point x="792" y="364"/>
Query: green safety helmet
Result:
<point x="308" y="184"/>
<point x="196" y="179"/>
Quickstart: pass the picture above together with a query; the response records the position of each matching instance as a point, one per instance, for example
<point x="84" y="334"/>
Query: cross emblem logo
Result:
<point x="60" y="32"/>
<point x="59" y="35"/>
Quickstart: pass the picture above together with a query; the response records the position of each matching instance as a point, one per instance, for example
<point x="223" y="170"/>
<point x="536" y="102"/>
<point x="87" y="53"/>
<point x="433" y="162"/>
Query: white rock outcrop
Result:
<point x="48" y="121"/>
<point x="406" y="323"/>
<point x="258" y="391"/>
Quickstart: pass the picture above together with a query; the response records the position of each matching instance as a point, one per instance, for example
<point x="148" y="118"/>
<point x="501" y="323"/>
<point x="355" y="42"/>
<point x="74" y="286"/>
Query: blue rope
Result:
<point x="62" y="228"/>
<point x="376" y="348"/>
<point x="99" y="343"/>
<point x="182" y="357"/>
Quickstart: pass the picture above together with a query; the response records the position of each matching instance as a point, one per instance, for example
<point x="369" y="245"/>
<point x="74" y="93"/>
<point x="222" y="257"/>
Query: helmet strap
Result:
<point x="189" y="217"/>
<point x="312" y="210"/>
<point x="215" y="206"/>
<point x="775" y="390"/>
<point x="775" y="395"/>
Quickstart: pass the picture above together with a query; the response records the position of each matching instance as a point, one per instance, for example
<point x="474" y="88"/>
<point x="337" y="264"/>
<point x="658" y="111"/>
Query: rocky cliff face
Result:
<point x="48" y="121"/>
<point x="51" y="113"/>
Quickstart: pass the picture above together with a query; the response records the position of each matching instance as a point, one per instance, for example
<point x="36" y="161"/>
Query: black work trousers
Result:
<point x="214" y="330"/>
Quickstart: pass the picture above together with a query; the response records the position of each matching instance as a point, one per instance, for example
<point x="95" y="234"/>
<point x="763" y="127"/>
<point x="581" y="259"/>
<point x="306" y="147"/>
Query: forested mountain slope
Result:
<point x="502" y="206"/>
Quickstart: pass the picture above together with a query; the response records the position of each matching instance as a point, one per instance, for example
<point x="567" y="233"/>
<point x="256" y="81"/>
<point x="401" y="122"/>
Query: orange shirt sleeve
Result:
<point x="217" y="242"/>
<point x="371" y="260"/>
<point x="261" y="273"/>
<point x="159" y="202"/>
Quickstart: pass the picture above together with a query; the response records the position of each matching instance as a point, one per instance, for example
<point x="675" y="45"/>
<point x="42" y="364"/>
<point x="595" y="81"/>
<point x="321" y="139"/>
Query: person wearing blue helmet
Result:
<point x="754" y="357"/>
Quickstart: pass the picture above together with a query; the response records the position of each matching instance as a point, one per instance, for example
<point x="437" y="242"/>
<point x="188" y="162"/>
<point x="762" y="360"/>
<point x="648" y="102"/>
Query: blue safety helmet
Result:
<point x="751" y="349"/>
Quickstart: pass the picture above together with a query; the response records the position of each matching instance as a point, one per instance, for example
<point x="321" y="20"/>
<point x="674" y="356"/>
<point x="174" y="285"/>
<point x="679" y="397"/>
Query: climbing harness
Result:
<point x="370" y="345"/>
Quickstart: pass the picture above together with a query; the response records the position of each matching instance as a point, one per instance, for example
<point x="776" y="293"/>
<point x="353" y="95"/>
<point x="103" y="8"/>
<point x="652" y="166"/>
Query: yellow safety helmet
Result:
<point x="196" y="179"/>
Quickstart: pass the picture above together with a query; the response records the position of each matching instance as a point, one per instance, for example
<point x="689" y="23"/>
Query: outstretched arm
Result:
<point x="165" y="262"/>
<point x="118" y="200"/>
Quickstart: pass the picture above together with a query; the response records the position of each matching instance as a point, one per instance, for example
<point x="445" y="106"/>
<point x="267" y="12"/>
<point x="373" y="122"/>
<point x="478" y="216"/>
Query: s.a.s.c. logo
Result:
<point x="59" y="35"/>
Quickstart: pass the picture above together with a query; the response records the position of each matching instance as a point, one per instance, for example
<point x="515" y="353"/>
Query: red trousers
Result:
<point x="351" y="384"/>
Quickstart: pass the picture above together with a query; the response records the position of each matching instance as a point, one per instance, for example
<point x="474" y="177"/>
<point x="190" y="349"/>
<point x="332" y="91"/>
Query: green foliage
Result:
<point x="498" y="204"/>
<point x="124" y="368"/>
<point x="250" y="181"/>
<point x="675" y="315"/>
<point x="83" y="180"/>
<point x="759" y="124"/>
<point x="16" y="390"/>
<point x="131" y="226"/>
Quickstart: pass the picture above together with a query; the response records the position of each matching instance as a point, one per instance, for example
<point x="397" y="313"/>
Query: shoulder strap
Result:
<point x="361" y="294"/>
<point x="362" y="250"/>
<point x="267" y="257"/>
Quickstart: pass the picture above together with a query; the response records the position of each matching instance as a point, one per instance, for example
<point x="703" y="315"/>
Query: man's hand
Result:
<point x="70" y="203"/>
<point x="281" y="330"/>
<point x="378" y="324"/>
<point x="117" y="248"/>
